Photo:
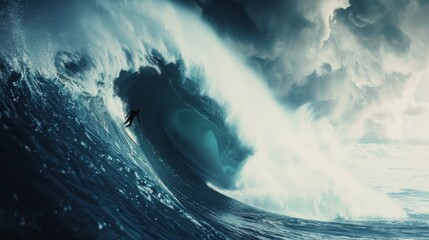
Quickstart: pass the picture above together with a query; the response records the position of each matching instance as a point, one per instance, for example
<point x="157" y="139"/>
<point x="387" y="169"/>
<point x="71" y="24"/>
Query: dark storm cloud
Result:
<point x="375" y="23"/>
<point x="395" y="38"/>
<point x="365" y="12"/>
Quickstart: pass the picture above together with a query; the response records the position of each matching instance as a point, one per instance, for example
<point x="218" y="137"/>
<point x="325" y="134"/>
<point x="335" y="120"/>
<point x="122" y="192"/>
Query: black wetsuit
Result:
<point x="130" y="117"/>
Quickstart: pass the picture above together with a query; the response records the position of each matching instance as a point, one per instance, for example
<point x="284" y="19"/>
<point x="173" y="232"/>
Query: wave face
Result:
<point x="180" y="124"/>
<point x="215" y="155"/>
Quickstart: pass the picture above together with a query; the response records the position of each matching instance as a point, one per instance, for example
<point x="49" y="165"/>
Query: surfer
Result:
<point x="130" y="117"/>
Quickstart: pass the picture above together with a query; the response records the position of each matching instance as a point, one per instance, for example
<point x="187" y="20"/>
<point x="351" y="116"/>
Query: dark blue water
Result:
<point x="62" y="176"/>
<point x="69" y="170"/>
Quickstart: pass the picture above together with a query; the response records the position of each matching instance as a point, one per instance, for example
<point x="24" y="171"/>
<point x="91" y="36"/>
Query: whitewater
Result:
<point x="216" y="155"/>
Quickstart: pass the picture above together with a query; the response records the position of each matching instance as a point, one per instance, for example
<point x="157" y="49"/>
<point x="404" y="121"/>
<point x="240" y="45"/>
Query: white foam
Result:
<point x="293" y="170"/>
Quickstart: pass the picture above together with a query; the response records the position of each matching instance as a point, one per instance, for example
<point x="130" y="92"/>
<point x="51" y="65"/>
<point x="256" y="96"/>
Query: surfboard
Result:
<point x="131" y="136"/>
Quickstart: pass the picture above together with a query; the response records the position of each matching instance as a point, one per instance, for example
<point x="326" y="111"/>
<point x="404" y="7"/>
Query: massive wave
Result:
<point x="212" y="129"/>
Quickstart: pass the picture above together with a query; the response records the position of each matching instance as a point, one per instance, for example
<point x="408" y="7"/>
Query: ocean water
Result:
<point x="209" y="160"/>
<point x="398" y="169"/>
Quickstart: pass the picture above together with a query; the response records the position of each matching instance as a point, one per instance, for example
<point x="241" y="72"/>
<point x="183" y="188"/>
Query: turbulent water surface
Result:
<point x="220" y="152"/>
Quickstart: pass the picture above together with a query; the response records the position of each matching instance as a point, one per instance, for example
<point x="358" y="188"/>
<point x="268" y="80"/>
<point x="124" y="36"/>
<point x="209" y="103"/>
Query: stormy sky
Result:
<point x="360" y="64"/>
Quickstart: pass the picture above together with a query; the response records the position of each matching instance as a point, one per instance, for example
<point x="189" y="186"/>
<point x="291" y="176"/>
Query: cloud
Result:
<point x="356" y="63"/>
<point x="365" y="12"/>
<point x="375" y="23"/>
<point x="417" y="108"/>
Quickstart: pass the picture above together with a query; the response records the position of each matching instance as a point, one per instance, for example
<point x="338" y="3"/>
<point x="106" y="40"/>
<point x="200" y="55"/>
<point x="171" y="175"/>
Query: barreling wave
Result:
<point x="200" y="104"/>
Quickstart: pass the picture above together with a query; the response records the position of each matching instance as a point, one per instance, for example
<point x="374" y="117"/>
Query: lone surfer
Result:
<point x="130" y="117"/>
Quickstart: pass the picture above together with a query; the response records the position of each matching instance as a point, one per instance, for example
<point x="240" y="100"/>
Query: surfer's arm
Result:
<point x="138" y="118"/>
<point x="128" y="114"/>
